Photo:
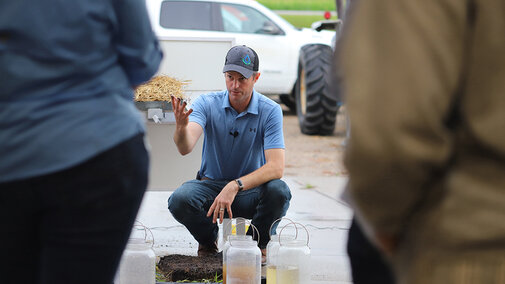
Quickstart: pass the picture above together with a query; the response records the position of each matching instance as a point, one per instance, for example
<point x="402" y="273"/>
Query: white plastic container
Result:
<point x="293" y="260"/>
<point x="227" y="245"/>
<point x="273" y="255"/>
<point x="293" y="263"/>
<point x="138" y="264"/>
<point x="243" y="265"/>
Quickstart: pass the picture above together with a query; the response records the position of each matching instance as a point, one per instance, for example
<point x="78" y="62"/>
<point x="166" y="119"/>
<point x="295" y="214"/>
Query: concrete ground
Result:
<point x="316" y="204"/>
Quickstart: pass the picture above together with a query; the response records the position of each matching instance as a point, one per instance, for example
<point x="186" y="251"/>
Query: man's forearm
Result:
<point x="185" y="137"/>
<point x="272" y="169"/>
<point x="181" y="140"/>
<point x="262" y="175"/>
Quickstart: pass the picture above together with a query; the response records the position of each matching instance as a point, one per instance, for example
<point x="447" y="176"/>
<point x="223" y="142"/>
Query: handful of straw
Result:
<point x="160" y="88"/>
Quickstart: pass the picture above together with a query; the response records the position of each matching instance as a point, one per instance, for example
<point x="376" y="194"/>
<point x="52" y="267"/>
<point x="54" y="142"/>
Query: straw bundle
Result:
<point x="160" y="88"/>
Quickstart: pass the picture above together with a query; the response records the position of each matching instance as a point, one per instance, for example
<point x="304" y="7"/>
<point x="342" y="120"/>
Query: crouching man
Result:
<point x="242" y="157"/>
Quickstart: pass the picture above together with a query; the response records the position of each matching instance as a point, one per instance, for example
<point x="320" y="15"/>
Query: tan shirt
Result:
<point x="404" y="65"/>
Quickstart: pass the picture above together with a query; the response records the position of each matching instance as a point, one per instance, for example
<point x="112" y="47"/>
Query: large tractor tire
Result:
<point x="316" y="105"/>
<point x="289" y="101"/>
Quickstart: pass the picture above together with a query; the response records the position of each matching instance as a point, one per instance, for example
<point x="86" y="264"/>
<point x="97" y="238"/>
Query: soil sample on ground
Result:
<point x="177" y="267"/>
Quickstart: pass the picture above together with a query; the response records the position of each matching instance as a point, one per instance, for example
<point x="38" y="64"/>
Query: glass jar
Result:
<point x="272" y="251"/>
<point x="293" y="262"/>
<point x="243" y="262"/>
<point x="138" y="264"/>
<point x="272" y="255"/>
<point x="226" y="246"/>
<point x="273" y="246"/>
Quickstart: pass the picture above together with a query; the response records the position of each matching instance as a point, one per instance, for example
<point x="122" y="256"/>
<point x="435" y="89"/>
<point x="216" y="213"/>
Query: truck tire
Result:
<point x="289" y="101"/>
<point x="316" y="105"/>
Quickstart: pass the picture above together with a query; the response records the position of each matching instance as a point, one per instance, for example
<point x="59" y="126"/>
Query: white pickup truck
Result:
<point x="294" y="63"/>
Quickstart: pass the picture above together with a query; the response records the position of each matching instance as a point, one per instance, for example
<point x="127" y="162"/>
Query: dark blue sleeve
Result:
<point x="137" y="46"/>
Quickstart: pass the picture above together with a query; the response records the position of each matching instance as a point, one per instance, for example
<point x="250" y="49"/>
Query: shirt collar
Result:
<point x="252" y="108"/>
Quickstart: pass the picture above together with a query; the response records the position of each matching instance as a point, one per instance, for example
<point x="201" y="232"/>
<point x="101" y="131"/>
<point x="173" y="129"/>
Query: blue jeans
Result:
<point x="264" y="204"/>
<point x="72" y="226"/>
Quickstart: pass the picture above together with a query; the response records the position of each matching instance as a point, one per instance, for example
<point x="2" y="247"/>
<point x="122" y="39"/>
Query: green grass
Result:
<point x="303" y="21"/>
<point x="309" y="186"/>
<point x="311" y="5"/>
<point x="216" y="279"/>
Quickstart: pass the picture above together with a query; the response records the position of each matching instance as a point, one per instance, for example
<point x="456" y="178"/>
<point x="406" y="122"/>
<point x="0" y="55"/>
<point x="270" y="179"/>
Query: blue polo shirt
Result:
<point x="234" y="143"/>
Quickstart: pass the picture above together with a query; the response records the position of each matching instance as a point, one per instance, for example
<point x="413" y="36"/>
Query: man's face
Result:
<point x="239" y="88"/>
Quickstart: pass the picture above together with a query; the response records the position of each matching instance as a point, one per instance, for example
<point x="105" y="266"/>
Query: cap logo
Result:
<point x="246" y="60"/>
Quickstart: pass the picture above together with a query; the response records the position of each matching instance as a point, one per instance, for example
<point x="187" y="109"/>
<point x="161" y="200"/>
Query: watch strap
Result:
<point x="240" y="184"/>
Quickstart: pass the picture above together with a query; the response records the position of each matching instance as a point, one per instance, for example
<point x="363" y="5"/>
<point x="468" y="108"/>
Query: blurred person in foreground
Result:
<point x="73" y="164"/>
<point x="242" y="157"/>
<point x="425" y="93"/>
<point x="368" y="265"/>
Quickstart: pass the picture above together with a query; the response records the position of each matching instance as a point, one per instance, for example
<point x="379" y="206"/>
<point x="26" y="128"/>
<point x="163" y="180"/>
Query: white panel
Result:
<point x="169" y="169"/>
<point x="199" y="60"/>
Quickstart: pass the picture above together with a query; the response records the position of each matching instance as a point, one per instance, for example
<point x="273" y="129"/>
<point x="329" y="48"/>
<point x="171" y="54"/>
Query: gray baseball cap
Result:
<point x="241" y="59"/>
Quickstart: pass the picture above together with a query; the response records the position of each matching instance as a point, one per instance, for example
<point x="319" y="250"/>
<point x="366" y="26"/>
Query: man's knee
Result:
<point x="179" y="203"/>
<point x="277" y="191"/>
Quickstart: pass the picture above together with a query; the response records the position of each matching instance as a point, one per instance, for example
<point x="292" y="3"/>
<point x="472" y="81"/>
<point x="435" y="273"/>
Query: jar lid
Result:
<point x="136" y="241"/>
<point x="275" y="238"/>
<point x="242" y="242"/>
<point x="293" y="243"/>
<point x="138" y="244"/>
<point x="240" y="237"/>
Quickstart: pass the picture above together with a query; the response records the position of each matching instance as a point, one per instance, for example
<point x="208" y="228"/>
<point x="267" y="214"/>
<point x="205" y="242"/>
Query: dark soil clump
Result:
<point x="177" y="267"/>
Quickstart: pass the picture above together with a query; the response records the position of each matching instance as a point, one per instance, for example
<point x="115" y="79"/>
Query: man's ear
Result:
<point x="257" y="77"/>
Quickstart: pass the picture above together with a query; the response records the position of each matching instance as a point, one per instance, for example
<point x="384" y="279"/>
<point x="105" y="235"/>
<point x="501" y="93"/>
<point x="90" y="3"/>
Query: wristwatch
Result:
<point x="240" y="184"/>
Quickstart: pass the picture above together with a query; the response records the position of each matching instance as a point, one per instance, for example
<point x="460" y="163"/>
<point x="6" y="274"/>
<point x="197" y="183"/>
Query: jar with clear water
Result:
<point x="293" y="259"/>
<point x="274" y="245"/>
<point x="293" y="262"/>
<point x="138" y="264"/>
<point x="243" y="262"/>
<point x="272" y="256"/>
